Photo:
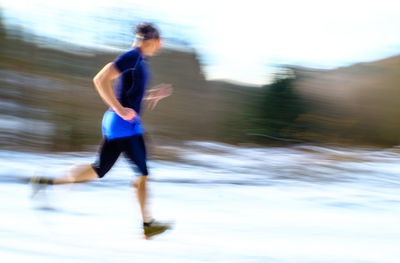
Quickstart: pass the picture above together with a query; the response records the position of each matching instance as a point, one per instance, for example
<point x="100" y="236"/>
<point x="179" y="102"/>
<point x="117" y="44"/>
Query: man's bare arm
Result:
<point x="103" y="83"/>
<point x="157" y="93"/>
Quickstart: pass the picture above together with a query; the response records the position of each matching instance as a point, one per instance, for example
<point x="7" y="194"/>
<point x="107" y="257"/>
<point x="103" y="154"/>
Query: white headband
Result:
<point x="139" y="37"/>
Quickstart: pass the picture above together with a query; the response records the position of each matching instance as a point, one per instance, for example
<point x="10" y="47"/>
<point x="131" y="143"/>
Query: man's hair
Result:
<point x="146" y="31"/>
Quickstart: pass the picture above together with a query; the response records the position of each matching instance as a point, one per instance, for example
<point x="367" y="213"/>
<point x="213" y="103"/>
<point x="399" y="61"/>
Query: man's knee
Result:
<point x="98" y="170"/>
<point x="140" y="182"/>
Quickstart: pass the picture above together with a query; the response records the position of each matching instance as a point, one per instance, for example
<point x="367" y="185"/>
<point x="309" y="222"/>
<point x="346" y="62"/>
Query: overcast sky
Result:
<point x="239" y="41"/>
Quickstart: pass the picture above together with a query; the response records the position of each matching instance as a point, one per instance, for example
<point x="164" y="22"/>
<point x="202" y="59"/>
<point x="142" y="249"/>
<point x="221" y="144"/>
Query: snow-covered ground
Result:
<point x="228" y="204"/>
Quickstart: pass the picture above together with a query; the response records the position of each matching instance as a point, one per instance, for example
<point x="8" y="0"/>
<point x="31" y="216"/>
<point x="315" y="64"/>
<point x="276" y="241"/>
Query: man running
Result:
<point x="121" y="125"/>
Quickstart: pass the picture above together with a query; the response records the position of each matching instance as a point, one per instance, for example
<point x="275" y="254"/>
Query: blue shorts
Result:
<point x="114" y="127"/>
<point x="133" y="148"/>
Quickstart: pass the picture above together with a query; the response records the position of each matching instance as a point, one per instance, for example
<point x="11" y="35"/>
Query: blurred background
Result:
<point x="282" y="130"/>
<point x="279" y="74"/>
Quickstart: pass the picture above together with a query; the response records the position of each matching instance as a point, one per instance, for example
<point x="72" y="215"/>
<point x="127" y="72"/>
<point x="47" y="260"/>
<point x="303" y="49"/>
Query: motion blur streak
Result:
<point x="278" y="144"/>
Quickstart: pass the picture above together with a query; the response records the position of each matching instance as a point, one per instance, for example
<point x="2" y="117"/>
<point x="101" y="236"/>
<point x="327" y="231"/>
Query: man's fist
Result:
<point x="157" y="93"/>
<point x="126" y="113"/>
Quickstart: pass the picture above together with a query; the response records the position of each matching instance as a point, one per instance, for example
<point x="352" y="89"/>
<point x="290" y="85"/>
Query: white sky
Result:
<point x="240" y="41"/>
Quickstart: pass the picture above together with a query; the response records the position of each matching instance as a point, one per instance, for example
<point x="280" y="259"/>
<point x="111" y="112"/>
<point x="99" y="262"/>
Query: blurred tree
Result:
<point x="278" y="109"/>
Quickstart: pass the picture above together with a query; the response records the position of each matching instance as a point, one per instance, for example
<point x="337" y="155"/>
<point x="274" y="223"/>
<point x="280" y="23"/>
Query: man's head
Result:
<point x="147" y="39"/>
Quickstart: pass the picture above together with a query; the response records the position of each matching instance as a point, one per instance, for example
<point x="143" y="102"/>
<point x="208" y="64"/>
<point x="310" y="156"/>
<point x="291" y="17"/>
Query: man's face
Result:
<point x="156" y="46"/>
<point x="150" y="47"/>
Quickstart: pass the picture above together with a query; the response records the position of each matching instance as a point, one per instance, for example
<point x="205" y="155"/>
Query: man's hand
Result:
<point x="157" y="93"/>
<point x="127" y="114"/>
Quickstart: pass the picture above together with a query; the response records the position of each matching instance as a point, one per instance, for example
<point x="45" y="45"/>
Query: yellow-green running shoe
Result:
<point x="154" y="228"/>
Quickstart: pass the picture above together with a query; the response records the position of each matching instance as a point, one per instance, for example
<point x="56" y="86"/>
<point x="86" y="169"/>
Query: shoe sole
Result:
<point x="150" y="235"/>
